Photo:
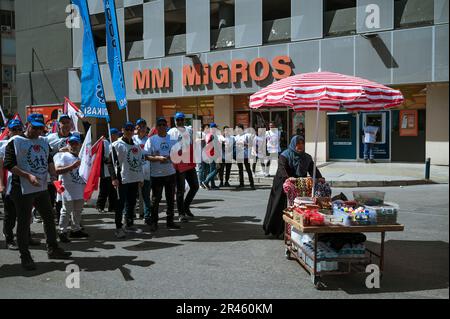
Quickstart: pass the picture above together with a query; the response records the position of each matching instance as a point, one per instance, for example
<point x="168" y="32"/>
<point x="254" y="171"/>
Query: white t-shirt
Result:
<point x="106" y="152"/>
<point x="72" y="182"/>
<point x="160" y="146"/>
<point x="273" y="142"/>
<point x="146" y="164"/>
<point x="370" y="134"/>
<point x="242" y="146"/>
<point x="130" y="159"/>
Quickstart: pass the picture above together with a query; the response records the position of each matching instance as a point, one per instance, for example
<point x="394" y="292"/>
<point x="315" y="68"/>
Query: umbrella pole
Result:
<point x="315" y="147"/>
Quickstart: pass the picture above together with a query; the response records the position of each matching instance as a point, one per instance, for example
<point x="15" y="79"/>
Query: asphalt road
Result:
<point x="224" y="253"/>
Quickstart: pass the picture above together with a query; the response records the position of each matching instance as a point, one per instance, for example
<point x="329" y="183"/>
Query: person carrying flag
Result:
<point x="67" y="165"/>
<point x="128" y="158"/>
<point x="29" y="160"/>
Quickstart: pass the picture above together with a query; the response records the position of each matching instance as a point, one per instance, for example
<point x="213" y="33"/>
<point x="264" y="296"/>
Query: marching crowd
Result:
<point x="140" y="163"/>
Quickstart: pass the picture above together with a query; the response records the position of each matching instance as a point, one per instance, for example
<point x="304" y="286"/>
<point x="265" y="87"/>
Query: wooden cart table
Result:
<point x="354" y="264"/>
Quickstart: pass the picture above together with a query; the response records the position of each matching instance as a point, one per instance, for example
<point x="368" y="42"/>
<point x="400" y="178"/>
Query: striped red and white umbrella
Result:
<point x="332" y="91"/>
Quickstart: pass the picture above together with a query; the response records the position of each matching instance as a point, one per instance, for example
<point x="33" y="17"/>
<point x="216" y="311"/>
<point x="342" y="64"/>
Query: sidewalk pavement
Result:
<point x="355" y="174"/>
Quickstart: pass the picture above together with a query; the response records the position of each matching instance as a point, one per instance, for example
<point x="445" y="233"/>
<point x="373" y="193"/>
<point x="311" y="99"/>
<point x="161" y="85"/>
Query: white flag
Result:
<point x="74" y="113"/>
<point x="5" y="120"/>
<point x="86" y="157"/>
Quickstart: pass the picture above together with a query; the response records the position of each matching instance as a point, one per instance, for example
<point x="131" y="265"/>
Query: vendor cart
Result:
<point x="347" y="264"/>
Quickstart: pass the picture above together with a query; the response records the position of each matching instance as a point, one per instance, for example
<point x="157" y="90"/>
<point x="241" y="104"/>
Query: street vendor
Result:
<point x="293" y="162"/>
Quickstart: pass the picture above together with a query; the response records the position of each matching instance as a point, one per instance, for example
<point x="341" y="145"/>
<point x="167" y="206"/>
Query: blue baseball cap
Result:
<point x="64" y="116"/>
<point x="141" y="121"/>
<point x="14" y="123"/>
<point x="211" y="125"/>
<point x="36" y="119"/>
<point x="179" y="115"/>
<point x="161" y="119"/>
<point x="74" y="138"/>
<point x="114" y="131"/>
<point x="128" y="124"/>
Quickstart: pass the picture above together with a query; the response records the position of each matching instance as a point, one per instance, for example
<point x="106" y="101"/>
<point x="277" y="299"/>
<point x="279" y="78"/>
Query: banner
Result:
<point x="114" y="54"/>
<point x="96" y="167"/>
<point x="93" y="103"/>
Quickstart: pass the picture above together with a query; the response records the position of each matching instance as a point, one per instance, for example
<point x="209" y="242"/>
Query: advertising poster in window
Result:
<point x="409" y="123"/>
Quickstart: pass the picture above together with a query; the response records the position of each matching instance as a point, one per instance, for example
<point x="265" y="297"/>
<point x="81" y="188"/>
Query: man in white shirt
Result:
<point x="273" y="137"/>
<point x="163" y="174"/>
<point x="29" y="160"/>
<point x="128" y="158"/>
<point x="370" y="138"/>
<point x="242" y="154"/>
<point x="67" y="165"/>
<point x="185" y="170"/>
<point x="140" y="138"/>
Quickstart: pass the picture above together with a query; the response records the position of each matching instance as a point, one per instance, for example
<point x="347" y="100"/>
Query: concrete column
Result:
<point x="223" y="110"/>
<point x="437" y="124"/>
<point x="310" y="131"/>
<point x="148" y="111"/>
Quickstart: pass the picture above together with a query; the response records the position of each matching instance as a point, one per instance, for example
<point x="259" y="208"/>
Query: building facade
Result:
<point x="8" y="98"/>
<point x="206" y="57"/>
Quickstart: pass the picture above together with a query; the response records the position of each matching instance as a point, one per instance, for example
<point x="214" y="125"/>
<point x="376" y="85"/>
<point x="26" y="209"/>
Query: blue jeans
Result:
<point x="203" y="171"/>
<point x="146" y="198"/>
<point x="368" y="151"/>
<point x="212" y="174"/>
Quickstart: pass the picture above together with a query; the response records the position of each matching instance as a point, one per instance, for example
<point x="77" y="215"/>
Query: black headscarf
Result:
<point x="299" y="162"/>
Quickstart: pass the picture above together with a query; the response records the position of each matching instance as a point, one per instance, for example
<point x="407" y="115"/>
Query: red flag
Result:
<point x="73" y="111"/>
<point x="4" y="135"/>
<point x="94" y="176"/>
<point x="17" y="117"/>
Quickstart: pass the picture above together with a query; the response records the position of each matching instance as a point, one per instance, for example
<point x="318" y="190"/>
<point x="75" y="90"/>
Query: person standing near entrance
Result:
<point x="128" y="157"/>
<point x="163" y="174"/>
<point x="212" y="144"/>
<point x="227" y="141"/>
<point x="370" y="137"/>
<point x="273" y="139"/>
<point x="29" y="159"/>
<point x="185" y="171"/>
<point x="242" y="150"/>
<point x="140" y="139"/>
<point x="107" y="191"/>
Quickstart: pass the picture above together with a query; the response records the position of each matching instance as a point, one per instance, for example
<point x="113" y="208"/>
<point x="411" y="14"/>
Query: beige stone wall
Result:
<point x="148" y="111"/>
<point x="437" y="124"/>
<point x="223" y="110"/>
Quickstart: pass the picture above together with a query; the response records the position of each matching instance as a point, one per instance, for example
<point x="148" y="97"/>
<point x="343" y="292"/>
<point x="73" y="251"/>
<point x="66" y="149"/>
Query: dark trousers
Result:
<point x="158" y="184"/>
<point x="56" y="204"/>
<point x="190" y="177"/>
<point x="24" y="205"/>
<point x="107" y="192"/>
<point x="224" y="168"/>
<point x="127" y="201"/>
<point x="9" y="222"/>
<point x="249" y="172"/>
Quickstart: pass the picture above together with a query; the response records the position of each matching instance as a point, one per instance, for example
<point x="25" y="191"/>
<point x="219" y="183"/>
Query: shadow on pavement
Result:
<point x="409" y="266"/>
<point x="89" y="264"/>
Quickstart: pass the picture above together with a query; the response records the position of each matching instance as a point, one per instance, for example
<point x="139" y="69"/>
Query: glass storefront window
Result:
<point x="413" y="13"/>
<point x="343" y="130"/>
<point x="339" y="18"/>
<point x="194" y="108"/>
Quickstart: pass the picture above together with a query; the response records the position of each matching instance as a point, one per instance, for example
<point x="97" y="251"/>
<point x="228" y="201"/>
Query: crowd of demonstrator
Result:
<point x="140" y="163"/>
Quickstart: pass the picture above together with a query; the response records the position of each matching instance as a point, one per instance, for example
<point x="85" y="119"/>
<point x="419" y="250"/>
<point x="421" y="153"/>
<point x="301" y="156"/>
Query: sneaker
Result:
<point x="78" y="234"/>
<point x="372" y="161"/>
<point x="64" y="238"/>
<point x="205" y="186"/>
<point x="201" y="185"/>
<point x="34" y="242"/>
<point x="120" y="234"/>
<point x="58" y="253"/>
<point x="227" y="184"/>
<point x="28" y="263"/>
<point x="189" y="213"/>
<point x="252" y="187"/>
<point x="11" y="245"/>
<point x="172" y="225"/>
<point x="153" y="227"/>
<point x="183" y="219"/>
<point x="101" y="211"/>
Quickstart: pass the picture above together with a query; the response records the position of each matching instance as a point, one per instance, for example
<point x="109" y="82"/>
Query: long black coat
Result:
<point x="273" y="222"/>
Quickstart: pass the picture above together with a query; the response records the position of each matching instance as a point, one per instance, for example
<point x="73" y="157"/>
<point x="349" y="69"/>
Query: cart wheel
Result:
<point x="287" y="253"/>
